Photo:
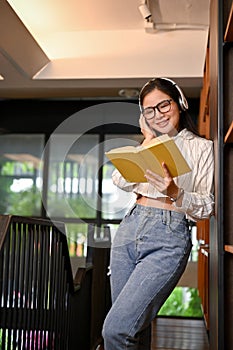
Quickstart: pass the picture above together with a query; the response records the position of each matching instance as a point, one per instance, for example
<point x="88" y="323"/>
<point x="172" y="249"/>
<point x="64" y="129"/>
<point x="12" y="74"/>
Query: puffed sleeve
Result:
<point x="120" y="182"/>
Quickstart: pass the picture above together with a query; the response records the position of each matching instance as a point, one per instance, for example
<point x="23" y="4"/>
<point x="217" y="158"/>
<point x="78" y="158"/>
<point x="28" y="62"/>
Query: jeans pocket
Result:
<point x="178" y="228"/>
<point x="130" y="211"/>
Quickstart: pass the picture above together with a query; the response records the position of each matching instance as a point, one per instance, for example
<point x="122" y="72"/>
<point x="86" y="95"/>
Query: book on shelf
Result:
<point x="228" y="35"/>
<point x="132" y="162"/>
<point x="229" y="134"/>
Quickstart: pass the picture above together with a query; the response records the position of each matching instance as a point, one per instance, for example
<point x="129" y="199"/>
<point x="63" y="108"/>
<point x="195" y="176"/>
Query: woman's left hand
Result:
<point x="165" y="184"/>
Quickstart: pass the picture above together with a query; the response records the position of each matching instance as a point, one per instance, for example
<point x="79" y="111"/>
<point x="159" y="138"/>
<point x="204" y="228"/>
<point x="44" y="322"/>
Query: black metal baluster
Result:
<point x="30" y="290"/>
<point x="36" y="266"/>
<point x="22" y="302"/>
<point x="5" y="286"/>
<point x="45" y="286"/>
<point x="56" y="291"/>
<point x="41" y="285"/>
<point x="17" y="295"/>
<point x="38" y="281"/>
<point x="59" y="284"/>
<point x="52" y="299"/>
<point x="11" y="290"/>
<point x="26" y="273"/>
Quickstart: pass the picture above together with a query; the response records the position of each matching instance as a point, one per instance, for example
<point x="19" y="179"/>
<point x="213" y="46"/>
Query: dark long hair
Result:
<point x="171" y="89"/>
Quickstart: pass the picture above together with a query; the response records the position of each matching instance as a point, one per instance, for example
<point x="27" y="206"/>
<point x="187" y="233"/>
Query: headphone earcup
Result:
<point x="182" y="99"/>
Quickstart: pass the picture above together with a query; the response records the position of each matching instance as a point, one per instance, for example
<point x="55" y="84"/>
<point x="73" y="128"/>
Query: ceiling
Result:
<point x="96" y="48"/>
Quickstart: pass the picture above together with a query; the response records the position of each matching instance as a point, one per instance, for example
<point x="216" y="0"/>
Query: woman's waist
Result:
<point x="159" y="202"/>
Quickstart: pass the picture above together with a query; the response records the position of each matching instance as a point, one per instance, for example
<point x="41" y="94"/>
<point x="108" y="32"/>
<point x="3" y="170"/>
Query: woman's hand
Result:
<point x="165" y="184"/>
<point x="146" y="131"/>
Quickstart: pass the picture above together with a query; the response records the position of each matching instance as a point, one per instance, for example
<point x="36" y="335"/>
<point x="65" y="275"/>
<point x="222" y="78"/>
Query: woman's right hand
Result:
<point x="146" y="131"/>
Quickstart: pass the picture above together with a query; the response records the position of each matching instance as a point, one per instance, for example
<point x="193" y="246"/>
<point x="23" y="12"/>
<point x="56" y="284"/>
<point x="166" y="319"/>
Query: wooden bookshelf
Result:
<point x="221" y="112"/>
<point x="229" y="28"/>
<point x="229" y="135"/>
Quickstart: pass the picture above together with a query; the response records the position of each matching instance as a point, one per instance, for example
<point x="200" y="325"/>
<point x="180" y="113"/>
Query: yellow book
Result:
<point x="132" y="162"/>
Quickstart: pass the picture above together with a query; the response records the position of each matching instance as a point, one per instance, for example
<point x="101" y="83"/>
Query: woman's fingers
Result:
<point x="161" y="183"/>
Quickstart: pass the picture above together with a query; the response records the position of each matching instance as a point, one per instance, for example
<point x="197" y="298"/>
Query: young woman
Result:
<point x="152" y="245"/>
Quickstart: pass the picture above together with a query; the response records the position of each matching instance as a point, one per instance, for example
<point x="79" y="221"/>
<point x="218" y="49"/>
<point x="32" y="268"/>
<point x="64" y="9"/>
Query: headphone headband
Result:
<point x="182" y="99"/>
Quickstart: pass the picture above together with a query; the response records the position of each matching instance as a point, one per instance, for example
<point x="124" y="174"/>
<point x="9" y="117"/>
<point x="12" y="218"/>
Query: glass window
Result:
<point x="183" y="302"/>
<point x="115" y="202"/>
<point x="77" y="239"/>
<point x="20" y="180"/>
<point x="72" y="176"/>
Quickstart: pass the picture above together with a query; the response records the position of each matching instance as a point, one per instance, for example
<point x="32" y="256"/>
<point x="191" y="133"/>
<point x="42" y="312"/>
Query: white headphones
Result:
<point x="182" y="99"/>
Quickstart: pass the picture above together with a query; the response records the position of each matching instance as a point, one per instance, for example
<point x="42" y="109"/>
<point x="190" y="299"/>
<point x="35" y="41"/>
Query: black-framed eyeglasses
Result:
<point x="163" y="107"/>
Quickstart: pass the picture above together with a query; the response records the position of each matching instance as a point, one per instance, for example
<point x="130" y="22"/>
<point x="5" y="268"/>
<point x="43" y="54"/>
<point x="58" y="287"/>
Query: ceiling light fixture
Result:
<point x="152" y="27"/>
<point x="128" y="93"/>
<point x="145" y="11"/>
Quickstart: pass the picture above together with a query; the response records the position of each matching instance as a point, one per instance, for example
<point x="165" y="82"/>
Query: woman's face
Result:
<point x="162" y="122"/>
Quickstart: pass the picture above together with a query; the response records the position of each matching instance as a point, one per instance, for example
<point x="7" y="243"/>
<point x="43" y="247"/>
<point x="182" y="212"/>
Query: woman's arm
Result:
<point x="120" y="182"/>
<point x="193" y="194"/>
<point x="199" y="204"/>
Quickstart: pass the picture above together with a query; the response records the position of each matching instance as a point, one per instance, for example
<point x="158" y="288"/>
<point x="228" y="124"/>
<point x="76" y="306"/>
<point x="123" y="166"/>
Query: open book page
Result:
<point x="132" y="162"/>
<point x="136" y="149"/>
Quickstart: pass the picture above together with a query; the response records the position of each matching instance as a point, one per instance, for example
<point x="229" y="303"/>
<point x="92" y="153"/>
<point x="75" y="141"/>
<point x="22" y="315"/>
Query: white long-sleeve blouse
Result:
<point x="198" y="199"/>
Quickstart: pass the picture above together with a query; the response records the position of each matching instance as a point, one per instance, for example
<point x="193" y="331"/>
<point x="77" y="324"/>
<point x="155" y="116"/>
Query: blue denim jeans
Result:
<point x="149" y="254"/>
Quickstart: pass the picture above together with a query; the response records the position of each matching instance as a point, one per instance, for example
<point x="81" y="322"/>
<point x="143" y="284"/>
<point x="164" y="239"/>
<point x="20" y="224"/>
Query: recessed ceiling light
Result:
<point x="129" y="93"/>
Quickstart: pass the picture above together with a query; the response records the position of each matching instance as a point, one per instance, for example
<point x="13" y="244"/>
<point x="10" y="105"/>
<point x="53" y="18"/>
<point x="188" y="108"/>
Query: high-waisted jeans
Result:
<point x="149" y="254"/>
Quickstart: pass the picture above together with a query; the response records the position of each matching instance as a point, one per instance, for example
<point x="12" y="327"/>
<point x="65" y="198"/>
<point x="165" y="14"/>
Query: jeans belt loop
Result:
<point x="169" y="217"/>
<point x="166" y="217"/>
